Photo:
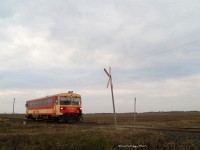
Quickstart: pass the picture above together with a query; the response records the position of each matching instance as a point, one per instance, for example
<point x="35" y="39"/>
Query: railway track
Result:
<point x="165" y="128"/>
<point x="93" y="124"/>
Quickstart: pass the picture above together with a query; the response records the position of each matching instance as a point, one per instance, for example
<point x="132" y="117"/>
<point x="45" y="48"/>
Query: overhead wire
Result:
<point x="165" y="52"/>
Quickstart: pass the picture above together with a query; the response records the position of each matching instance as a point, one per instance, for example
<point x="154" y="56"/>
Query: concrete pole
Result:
<point x="134" y="108"/>
<point x="111" y="87"/>
<point x="13" y="106"/>
<point x="113" y="101"/>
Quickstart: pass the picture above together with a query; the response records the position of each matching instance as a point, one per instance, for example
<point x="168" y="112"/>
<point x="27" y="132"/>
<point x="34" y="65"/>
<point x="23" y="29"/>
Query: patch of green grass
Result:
<point x="4" y="125"/>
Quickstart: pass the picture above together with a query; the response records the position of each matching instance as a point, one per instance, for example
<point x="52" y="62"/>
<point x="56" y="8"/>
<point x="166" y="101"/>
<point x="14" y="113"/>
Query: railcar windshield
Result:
<point x="76" y="101"/>
<point x="64" y="100"/>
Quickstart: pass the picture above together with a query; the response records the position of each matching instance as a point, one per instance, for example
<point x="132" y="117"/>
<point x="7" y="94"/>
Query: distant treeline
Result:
<point x="125" y="112"/>
<point x="150" y="112"/>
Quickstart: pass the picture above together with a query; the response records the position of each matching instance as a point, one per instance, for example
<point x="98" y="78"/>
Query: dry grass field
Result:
<point x="164" y="130"/>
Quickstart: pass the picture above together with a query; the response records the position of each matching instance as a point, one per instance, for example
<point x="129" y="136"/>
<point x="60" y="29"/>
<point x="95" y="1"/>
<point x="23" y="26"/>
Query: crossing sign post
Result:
<point x="111" y="86"/>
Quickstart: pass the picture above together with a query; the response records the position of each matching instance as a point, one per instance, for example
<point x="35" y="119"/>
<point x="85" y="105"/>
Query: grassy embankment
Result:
<point x="48" y="135"/>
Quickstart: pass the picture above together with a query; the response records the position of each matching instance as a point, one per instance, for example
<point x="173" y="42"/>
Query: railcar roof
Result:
<point x="59" y="94"/>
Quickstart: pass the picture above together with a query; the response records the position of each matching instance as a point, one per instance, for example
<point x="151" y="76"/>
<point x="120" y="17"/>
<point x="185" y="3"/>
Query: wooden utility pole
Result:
<point x="111" y="86"/>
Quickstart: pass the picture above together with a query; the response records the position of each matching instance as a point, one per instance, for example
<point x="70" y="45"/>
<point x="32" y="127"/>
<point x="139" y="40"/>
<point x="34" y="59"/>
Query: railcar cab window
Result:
<point x="76" y="100"/>
<point x="64" y="100"/>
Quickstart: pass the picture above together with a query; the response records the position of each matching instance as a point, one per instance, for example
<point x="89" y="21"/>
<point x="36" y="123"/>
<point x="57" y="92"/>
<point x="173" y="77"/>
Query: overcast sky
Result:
<point x="153" y="46"/>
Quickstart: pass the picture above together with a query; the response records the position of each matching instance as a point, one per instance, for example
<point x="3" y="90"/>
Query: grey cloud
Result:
<point x="62" y="44"/>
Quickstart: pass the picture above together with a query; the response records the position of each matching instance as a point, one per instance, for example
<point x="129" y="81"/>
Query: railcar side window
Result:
<point x="45" y="103"/>
<point x="48" y="102"/>
<point x="65" y="100"/>
<point x="31" y="104"/>
<point x="40" y="103"/>
<point x="36" y="104"/>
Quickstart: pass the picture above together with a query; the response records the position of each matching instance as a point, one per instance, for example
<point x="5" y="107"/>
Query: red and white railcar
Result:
<point x="61" y="107"/>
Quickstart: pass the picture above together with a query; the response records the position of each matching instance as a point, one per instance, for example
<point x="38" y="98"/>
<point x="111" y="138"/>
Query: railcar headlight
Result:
<point x="61" y="108"/>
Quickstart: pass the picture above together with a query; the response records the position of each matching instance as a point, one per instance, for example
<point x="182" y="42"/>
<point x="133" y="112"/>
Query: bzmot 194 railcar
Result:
<point x="62" y="107"/>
